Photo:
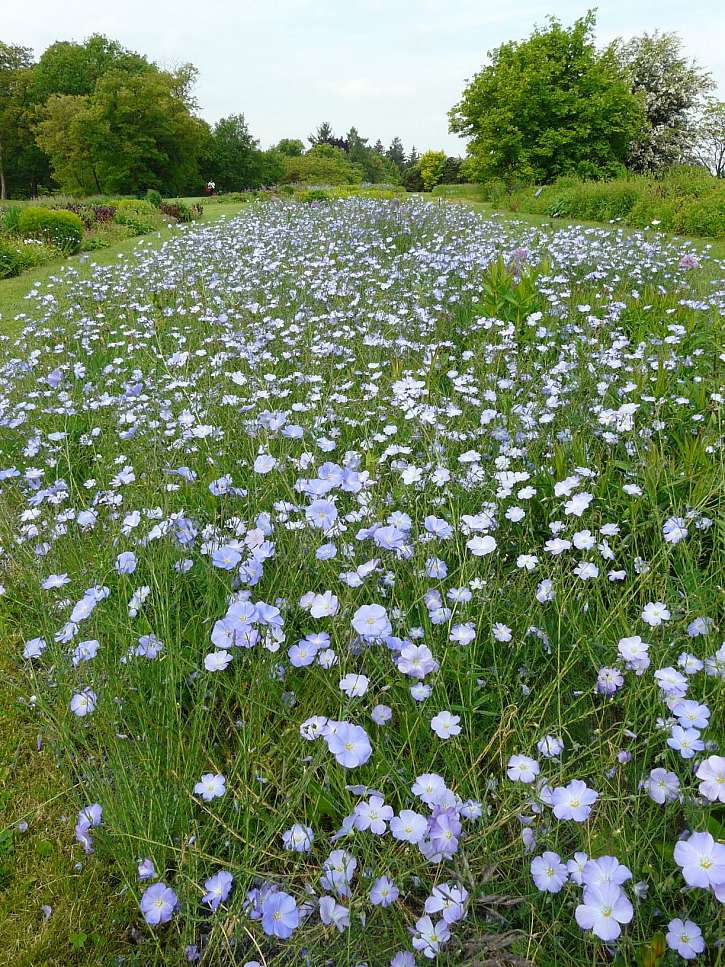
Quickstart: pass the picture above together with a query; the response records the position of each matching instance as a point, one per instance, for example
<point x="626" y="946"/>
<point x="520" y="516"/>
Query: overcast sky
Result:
<point x="390" y="67"/>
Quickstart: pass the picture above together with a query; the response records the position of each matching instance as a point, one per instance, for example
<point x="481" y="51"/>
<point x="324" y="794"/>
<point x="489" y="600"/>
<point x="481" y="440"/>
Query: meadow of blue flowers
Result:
<point x="372" y="624"/>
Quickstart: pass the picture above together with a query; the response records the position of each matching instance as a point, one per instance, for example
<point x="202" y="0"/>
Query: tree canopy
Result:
<point x="671" y="87"/>
<point x="547" y="106"/>
<point x="132" y="133"/>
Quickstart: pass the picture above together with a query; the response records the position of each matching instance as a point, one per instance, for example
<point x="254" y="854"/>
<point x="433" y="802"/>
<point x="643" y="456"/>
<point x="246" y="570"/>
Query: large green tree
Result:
<point x="548" y="105"/>
<point x="323" y="164"/>
<point x="67" y="67"/>
<point x="232" y="163"/>
<point x="671" y="88"/>
<point x="63" y="135"/>
<point x="16" y="137"/>
<point x="132" y="133"/>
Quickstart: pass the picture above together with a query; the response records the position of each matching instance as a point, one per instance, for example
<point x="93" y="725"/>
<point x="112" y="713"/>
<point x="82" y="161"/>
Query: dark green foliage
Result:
<point x="373" y="165"/>
<point x="547" y="106"/>
<point x="452" y="170"/>
<point x="411" y="178"/>
<point x="61" y="228"/>
<point x="323" y="135"/>
<point x="396" y="154"/>
<point x="18" y="156"/>
<point x="231" y="161"/>
<point x="154" y="197"/>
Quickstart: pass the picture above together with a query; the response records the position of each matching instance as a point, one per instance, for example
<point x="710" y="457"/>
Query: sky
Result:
<point x="390" y="67"/>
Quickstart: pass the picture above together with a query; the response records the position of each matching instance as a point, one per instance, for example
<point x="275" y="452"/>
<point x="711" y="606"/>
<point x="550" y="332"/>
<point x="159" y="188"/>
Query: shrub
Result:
<point x="10" y="261"/>
<point x="105" y="234"/>
<point x="703" y="216"/>
<point x="154" y="197"/>
<point x="59" y="227"/>
<point x="685" y="200"/>
<point x="313" y="195"/>
<point x="178" y="210"/>
<point x="33" y="252"/>
<point x="91" y="212"/>
<point x="10" y="220"/>
<point x="141" y="216"/>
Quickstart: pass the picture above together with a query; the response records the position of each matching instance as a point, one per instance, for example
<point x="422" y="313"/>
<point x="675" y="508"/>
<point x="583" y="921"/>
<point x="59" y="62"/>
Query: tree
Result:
<point x="323" y="164"/>
<point x="374" y="167"/>
<point x="291" y="147"/>
<point x="131" y="134"/>
<point x="432" y="165"/>
<point x="379" y="148"/>
<point x="452" y="171"/>
<point x="411" y="179"/>
<point x="63" y="136"/>
<point x="396" y="153"/>
<point x="15" y="63"/>
<point x="323" y="134"/>
<point x="708" y="148"/>
<point x="671" y="88"/>
<point x="413" y="157"/>
<point x="70" y="68"/>
<point x="547" y="106"/>
<point x="232" y="163"/>
<point x="271" y="166"/>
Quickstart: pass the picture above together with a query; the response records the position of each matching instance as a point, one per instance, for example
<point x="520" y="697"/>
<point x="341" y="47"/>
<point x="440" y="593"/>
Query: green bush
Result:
<point x="60" y="228"/>
<point x="685" y="200"/>
<point x="106" y="234"/>
<point x="139" y="215"/>
<point x="10" y="220"/>
<point x="17" y="254"/>
<point x="33" y="252"/>
<point x="153" y="197"/>
<point x="703" y="216"/>
<point x="178" y="210"/>
<point x="10" y="261"/>
<point x="313" y="194"/>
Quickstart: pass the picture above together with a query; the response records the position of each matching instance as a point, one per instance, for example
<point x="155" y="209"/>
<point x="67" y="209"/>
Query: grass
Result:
<point x="371" y="326"/>
<point x="38" y="867"/>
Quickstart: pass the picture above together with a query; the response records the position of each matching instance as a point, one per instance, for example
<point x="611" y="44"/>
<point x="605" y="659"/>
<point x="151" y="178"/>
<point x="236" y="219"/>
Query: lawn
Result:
<point x="362" y="571"/>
